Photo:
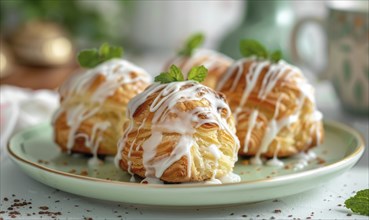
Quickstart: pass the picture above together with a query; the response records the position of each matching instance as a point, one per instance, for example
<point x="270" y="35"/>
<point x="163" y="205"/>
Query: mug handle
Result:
<point x="295" y="48"/>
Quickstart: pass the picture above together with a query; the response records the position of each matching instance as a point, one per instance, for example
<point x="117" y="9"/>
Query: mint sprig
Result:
<point x="192" y="43"/>
<point x="197" y="73"/>
<point x="173" y="75"/>
<point x="249" y="47"/>
<point x="276" y="56"/>
<point x="359" y="203"/>
<point x="92" y="57"/>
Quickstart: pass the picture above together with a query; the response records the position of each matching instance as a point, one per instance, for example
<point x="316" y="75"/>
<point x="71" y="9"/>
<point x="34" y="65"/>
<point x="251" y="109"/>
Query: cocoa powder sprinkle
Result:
<point x="43" y="207"/>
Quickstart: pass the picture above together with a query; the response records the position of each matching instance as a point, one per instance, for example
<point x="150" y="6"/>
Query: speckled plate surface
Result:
<point x="39" y="157"/>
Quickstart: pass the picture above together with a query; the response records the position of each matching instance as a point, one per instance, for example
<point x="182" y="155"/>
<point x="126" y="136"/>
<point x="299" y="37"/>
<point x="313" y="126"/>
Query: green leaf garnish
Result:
<point x="92" y="57"/>
<point x="165" y="78"/>
<point x="359" y="203"/>
<point x="253" y="48"/>
<point x="276" y="56"/>
<point x="198" y="73"/>
<point x="249" y="47"/>
<point x="175" y="75"/>
<point x="192" y="43"/>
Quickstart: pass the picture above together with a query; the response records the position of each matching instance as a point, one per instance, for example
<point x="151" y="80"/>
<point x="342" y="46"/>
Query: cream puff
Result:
<point x="93" y="107"/>
<point x="179" y="132"/>
<point x="274" y="108"/>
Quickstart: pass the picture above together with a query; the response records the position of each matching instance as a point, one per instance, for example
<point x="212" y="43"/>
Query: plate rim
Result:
<point x="345" y="160"/>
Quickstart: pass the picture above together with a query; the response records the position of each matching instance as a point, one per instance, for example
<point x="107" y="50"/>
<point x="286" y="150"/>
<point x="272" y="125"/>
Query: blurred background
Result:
<point x="328" y="40"/>
<point x="44" y="35"/>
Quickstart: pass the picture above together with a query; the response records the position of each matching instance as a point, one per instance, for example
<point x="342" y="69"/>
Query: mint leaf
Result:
<point x="104" y="49"/>
<point x="198" y="73"/>
<point x="359" y="203"/>
<point x="174" y="75"/>
<point x="107" y="52"/>
<point x="88" y="58"/>
<point x="164" y="78"/>
<point x="250" y="47"/>
<point x="92" y="57"/>
<point x="115" y="52"/>
<point x="276" y="56"/>
<point x="192" y="43"/>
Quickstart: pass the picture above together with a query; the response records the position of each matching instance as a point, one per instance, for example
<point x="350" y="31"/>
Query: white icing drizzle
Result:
<point x="116" y="72"/>
<point x="251" y="124"/>
<point x="230" y="178"/>
<point x="211" y="60"/>
<point x="185" y="123"/>
<point x="213" y="181"/>
<point x="94" y="140"/>
<point x="75" y="115"/>
<point x="275" y="162"/>
<point x="303" y="159"/>
<point x="269" y="81"/>
<point x="214" y="150"/>
<point x="273" y="128"/>
<point x="94" y="161"/>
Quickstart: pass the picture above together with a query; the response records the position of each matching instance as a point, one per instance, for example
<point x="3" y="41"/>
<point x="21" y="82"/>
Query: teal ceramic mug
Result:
<point x="347" y="31"/>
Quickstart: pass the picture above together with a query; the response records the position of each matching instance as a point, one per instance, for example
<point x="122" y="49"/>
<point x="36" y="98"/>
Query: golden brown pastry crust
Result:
<point x="216" y="63"/>
<point x="286" y="97"/>
<point x="112" y="111"/>
<point x="200" y="164"/>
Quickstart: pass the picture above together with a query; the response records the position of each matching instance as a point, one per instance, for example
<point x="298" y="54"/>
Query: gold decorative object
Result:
<point x="42" y="43"/>
<point x="6" y="61"/>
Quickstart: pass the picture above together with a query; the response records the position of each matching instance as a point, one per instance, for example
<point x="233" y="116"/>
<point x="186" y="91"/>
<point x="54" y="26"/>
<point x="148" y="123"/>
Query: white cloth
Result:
<point x="21" y="108"/>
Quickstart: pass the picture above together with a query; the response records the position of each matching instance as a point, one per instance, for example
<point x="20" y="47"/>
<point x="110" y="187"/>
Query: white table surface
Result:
<point x="323" y="202"/>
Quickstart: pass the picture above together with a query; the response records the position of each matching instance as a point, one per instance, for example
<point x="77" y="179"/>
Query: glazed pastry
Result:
<point x="179" y="132"/>
<point x="93" y="107"/>
<point x="274" y="109"/>
<point x="215" y="62"/>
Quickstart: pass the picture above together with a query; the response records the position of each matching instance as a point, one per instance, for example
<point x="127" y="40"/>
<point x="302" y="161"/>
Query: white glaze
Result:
<point x="303" y="159"/>
<point x="94" y="140"/>
<point x="250" y="127"/>
<point x="230" y="178"/>
<point x="213" y="181"/>
<point x="94" y="161"/>
<point x="185" y="124"/>
<point x="275" y="162"/>
<point x="214" y="150"/>
<point x="116" y="73"/>
<point x="271" y="77"/>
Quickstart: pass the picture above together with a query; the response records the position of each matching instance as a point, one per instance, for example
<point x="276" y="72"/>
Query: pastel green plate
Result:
<point x="37" y="155"/>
